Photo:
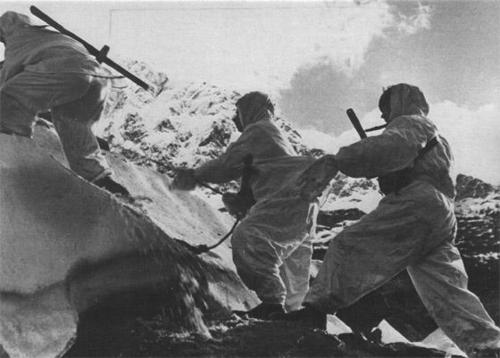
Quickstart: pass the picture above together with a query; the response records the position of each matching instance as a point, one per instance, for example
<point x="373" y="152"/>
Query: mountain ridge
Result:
<point x="185" y="125"/>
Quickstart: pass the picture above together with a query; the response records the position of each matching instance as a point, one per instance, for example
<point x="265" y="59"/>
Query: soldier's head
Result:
<point x="402" y="99"/>
<point x="10" y="21"/>
<point x="252" y="107"/>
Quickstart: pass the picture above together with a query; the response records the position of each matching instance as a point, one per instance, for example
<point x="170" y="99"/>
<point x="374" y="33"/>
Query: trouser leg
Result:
<point x="441" y="282"/>
<point x="81" y="148"/>
<point x="21" y="97"/>
<point x="295" y="273"/>
<point x="15" y="118"/>
<point x="73" y="122"/>
<point x="258" y="263"/>
<point x="76" y="100"/>
<point x="367" y="254"/>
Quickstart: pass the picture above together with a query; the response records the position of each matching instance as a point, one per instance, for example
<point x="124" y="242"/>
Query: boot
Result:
<point x="487" y="353"/>
<point x="365" y="314"/>
<point x="111" y="186"/>
<point x="307" y="317"/>
<point x="264" y="311"/>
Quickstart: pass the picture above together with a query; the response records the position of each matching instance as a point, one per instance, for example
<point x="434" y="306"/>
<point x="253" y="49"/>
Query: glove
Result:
<point x="112" y="186"/>
<point x="237" y="204"/>
<point x="313" y="181"/>
<point x="184" y="180"/>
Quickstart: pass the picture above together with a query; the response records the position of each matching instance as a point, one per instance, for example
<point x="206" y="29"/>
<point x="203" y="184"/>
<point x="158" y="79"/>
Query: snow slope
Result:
<point x="66" y="245"/>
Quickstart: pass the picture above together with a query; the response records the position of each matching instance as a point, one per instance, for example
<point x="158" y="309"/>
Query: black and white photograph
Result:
<point x="232" y="179"/>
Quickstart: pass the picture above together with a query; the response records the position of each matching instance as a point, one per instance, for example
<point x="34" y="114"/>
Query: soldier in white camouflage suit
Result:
<point x="413" y="227"/>
<point x="48" y="71"/>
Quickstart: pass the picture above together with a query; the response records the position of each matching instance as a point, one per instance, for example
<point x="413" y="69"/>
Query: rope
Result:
<point x="204" y="248"/>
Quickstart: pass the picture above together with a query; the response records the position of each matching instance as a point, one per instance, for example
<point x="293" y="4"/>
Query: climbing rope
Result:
<point x="204" y="248"/>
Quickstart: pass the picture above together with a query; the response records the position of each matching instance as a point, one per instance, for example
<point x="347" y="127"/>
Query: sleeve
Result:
<point x="392" y="150"/>
<point x="228" y="166"/>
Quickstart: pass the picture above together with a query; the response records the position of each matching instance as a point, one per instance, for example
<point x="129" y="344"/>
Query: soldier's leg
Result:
<point x="73" y="122"/>
<point x="257" y="262"/>
<point x="367" y="254"/>
<point x="295" y="273"/>
<point x="21" y="97"/>
<point x="441" y="282"/>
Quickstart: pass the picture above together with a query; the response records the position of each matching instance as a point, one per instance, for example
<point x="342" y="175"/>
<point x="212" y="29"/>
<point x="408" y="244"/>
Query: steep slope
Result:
<point x="67" y="247"/>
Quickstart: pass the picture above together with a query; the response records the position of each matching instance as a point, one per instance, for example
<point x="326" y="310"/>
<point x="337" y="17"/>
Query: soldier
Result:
<point x="412" y="228"/>
<point x="48" y="71"/>
<point x="272" y="246"/>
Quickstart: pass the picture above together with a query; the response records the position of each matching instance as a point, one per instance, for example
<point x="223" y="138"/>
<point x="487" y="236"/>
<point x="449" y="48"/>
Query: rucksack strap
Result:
<point x="395" y="181"/>
<point x="430" y="144"/>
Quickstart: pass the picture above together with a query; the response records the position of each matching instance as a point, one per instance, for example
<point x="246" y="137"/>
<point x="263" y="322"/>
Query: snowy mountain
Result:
<point x="185" y="124"/>
<point x="181" y="126"/>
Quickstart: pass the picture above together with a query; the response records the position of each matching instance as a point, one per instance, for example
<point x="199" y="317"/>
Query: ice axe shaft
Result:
<point x="355" y="122"/>
<point x="100" y="55"/>
<point x="357" y="125"/>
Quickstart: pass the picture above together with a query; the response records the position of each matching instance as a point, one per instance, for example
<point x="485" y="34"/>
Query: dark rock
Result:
<point x="236" y="337"/>
<point x="470" y="187"/>
<point x="132" y="130"/>
<point x="165" y="125"/>
<point x="337" y="217"/>
<point x="220" y="135"/>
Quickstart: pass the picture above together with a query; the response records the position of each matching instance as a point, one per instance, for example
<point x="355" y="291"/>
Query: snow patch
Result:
<point x="336" y="326"/>
<point x="439" y="340"/>
<point x="390" y="334"/>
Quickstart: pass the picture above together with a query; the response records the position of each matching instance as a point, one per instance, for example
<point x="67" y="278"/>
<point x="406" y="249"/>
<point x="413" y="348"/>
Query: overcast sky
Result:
<point x="319" y="58"/>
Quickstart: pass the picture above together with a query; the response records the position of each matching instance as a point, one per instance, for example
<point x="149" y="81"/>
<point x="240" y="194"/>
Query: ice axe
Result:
<point x="394" y="181"/>
<point x="357" y="125"/>
<point x="100" y="55"/>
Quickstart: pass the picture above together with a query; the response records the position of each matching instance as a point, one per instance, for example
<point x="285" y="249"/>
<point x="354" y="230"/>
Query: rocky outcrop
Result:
<point x="240" y="338"/>
<point x="470" y="187"/>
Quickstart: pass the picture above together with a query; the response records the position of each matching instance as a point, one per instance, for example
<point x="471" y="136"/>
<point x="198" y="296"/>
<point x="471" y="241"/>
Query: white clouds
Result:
<point x="411" y="24"/>
<point x="242" y="45"/>
<point x="256" y="45"/>
<point x="474" y="136"/>
<point x="331" y="143"/>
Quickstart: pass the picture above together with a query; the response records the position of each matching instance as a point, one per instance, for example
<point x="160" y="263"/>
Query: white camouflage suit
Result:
<point x="45" y="70"/>
<point x="272" y="246"/>
<point x="412" y="230"/>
